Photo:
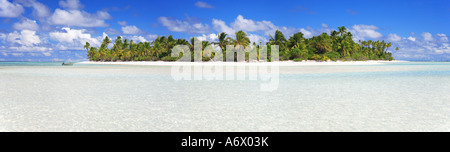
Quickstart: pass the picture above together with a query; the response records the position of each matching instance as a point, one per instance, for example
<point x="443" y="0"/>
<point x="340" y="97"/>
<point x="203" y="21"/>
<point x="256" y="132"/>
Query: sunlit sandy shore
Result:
<point x="381" y="97"/>
<point x="282" y="63"/>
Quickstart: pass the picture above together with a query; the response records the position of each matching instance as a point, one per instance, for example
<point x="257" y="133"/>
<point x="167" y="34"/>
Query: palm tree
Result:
<point x="296" y="40"/>
<point x="342" y="30"/>
<point x="339" y="44"/>
<point x="279" y="39"/>
<point x="222" y="40"/>
<point x="241" y="39"/>
<point x="334" y="34"/>
<point x="182" y="42"/>
<point x="157" y="46"/>
<point x="106" y="42"/>
<point x="87" y="46"/>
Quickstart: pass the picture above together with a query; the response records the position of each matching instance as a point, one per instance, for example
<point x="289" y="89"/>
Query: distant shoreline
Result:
<point x="281" y="63"/>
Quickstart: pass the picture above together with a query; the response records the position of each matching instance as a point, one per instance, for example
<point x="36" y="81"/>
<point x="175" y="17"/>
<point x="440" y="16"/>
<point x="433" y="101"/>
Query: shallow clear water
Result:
<point x="392" y="97"/>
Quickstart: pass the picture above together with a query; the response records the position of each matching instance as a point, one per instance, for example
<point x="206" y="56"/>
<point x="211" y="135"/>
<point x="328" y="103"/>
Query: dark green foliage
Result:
<point x="339" y="45"/>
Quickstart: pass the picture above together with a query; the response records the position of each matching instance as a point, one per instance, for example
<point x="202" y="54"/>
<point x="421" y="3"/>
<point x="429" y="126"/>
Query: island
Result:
<point x="338" y="46"/>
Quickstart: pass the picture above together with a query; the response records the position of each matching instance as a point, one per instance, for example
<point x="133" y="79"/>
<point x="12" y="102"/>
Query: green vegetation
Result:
<point x="337" y="46"/>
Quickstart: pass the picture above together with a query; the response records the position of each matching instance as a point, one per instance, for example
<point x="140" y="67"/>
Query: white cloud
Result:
<point x="138" y="39"/>
<point x="412" y="48"/>
<point x="112" y="31"/>
<point x="306" y="33"/>
<point x="79" y="18"/>
<point x="2" y="37"/>
<point x="152" y="37"/>
<point x="57" y="60"/>
<point x="209" y="37"/>
<point x="131" y="30"/>
<point x="444" y="48"/>
<point x="104" y="35"/>
<point x="25" y="37"/>
<point x="442" y="37"/>
<point x="248" y="25"/>
<point x="263" y="27"/>
<point x="184" y="26"/>
<point x="39" y="9"/>
<point x="8" y="9"/>
<point x="103" y="15"/>
<point x="26" y="24"/>
<point x="427" y="36"/>
<point x="240" y="23"/>
<point x="71" y="4"/>
<point x="30" y="48"/>
<point x="288" y="31"/>
<point x="122" y="23"/>
<point x="17" y="54"/>
<point x="46" y="53"/>
<point x="257" y="38"/>
<point x="74" y="38"/>
<point x="203" y="5"/>
<point x="220" y="26"/>
<point x="24" y="41"/>
<point x="360" y="32"/>
<point x="325" y="28"/>
<point x="394" y="38"/>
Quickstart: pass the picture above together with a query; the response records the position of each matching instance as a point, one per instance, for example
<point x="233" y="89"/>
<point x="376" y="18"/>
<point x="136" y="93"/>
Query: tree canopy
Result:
<point x="339" y="45"/>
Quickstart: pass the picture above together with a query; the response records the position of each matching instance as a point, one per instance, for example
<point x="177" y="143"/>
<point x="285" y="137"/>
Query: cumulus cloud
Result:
<point x="187" y="26"/>
<point x="74" y="38"/>
<point x="427" y="36"/>
<point x="240" y="23"/>
<point x="425" y="48"/>
<point x="79" y="18"/>
<point x="8" y="9"/>
<point x="263" y="27"/>
<point x="131" y="30"/>
<point x="442" y="37"/>
<point x="209" y="37"/>
<point x="306" y="33"/>
<point x="151" y="37"/>
<point x="138" y="39"/>
<point x="26" y="24"/>
<point x="30" y="48"/>
<point x="220" y="26"/>
<point x="200" y="4"/>
<point x="17" y="54"/>
<point x="39" y="9"/>
<point x="361" y="32"/>
<point x="23" y="41"/>
<point x="25" y="37"/>
<point x="71" y="4"/>
<point x="394" y="37"/>
<point x="112" y="31"/>
<point x="257" y="38"/>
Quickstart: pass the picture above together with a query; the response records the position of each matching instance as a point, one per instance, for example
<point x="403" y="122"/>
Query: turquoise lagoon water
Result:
<point x="411" y="96"/>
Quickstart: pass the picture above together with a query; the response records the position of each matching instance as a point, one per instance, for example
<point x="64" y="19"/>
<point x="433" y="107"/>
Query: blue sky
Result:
<point x="55" y="30"/>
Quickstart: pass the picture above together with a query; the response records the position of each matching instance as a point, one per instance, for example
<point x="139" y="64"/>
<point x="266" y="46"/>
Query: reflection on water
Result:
<point x="392" y="97"/>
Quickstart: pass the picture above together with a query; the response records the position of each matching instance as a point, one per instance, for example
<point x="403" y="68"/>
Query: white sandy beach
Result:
<point x="282" y="63"/>
<point x="379" y="97"/>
